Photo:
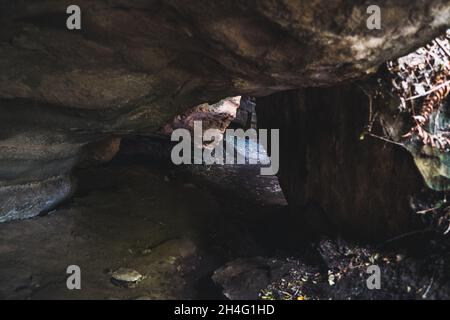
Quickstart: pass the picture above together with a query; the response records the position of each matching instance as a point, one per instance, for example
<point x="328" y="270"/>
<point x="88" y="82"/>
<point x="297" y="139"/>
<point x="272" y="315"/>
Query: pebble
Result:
<point x="126" y="276"/>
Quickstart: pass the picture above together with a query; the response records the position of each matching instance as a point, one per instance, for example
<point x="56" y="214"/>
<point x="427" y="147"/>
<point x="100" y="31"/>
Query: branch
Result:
<point x="430" y="91"/>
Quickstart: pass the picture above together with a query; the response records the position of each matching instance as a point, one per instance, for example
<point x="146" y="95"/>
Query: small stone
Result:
<point x="172" y="259"/>
<point x="126" y="277"/>
<point x="331" y="278"/>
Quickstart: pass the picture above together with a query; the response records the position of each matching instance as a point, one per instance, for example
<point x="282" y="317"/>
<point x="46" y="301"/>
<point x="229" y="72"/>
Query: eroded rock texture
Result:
<point x="135" y="64"/>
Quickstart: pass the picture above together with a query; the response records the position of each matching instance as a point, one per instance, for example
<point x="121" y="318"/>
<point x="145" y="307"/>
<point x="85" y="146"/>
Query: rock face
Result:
<point x="363" y="187"/>
<point x="135" y="64"/>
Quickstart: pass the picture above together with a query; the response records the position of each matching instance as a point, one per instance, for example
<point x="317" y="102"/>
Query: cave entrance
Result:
<point x="240" y="180"/>
<point x="234" y="210"/>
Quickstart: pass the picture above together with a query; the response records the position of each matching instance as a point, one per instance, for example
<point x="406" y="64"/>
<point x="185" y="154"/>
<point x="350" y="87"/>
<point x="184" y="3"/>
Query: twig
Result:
<point x="372" y="116"/>
<point x="385" y="140"/>
<point x="424" y="296"/>
<point x="429" y="91"/>
<point x="427" y="210"/>
<point x="447" y="231"/>
<point x="405" y="235"/>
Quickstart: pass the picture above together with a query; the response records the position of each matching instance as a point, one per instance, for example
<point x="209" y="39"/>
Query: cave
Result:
<point x="224" y="150"/>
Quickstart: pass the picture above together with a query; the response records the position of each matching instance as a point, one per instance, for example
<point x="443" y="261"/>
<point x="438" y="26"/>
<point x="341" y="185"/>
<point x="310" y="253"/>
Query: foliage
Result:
<point x="421" y="80"/>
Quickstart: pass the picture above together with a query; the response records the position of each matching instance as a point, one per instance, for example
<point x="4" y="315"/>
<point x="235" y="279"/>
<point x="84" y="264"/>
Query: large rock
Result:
<point x="358" y="187"/>
<point x="135" y="64"/>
